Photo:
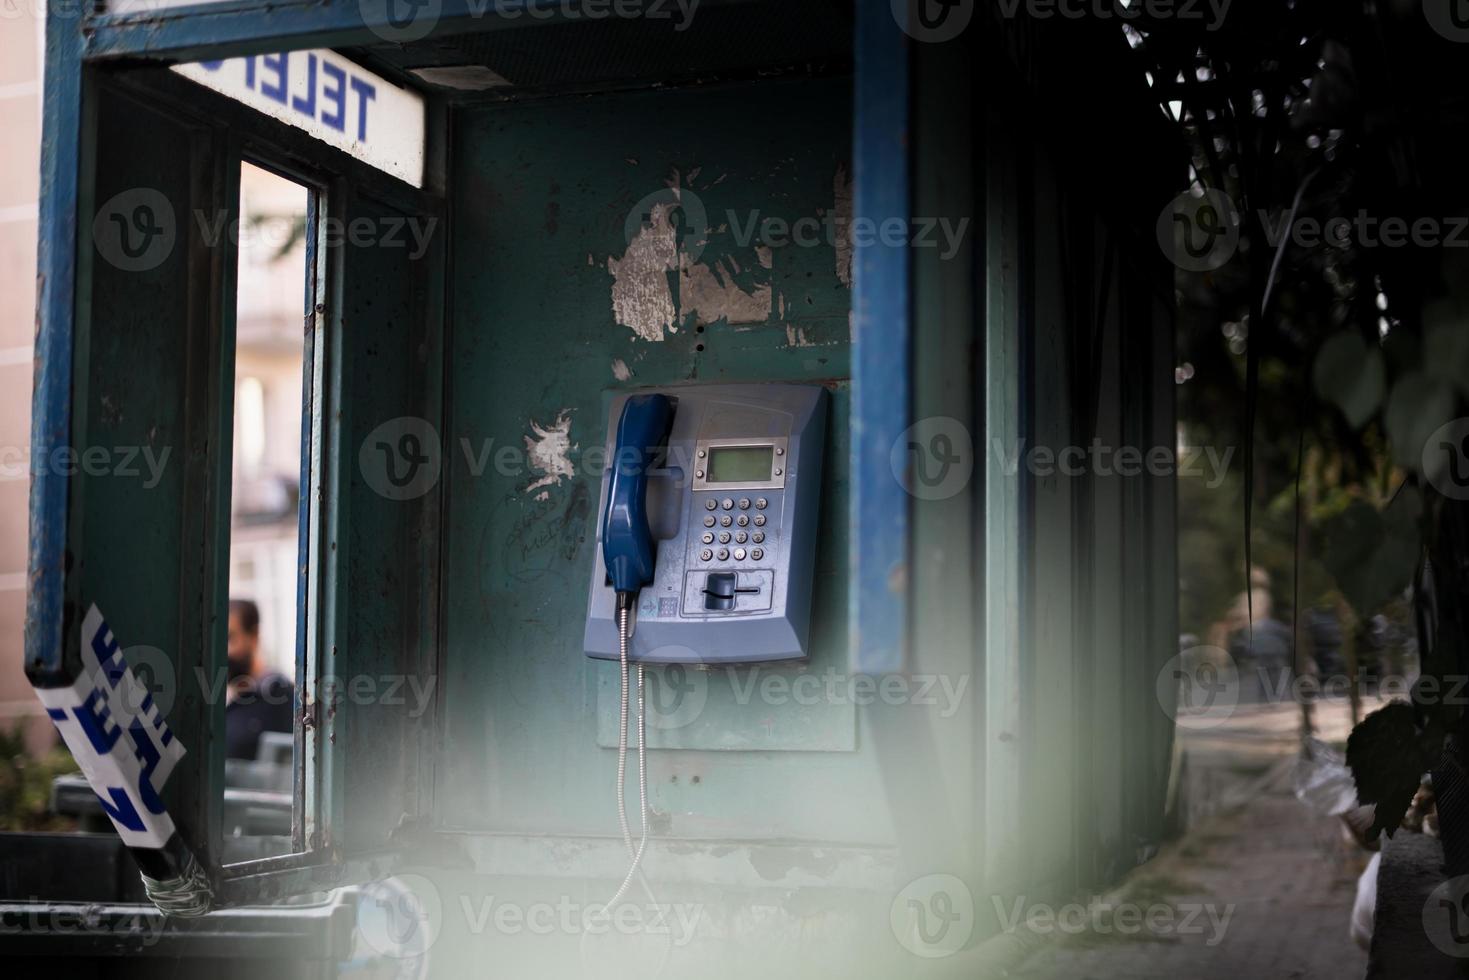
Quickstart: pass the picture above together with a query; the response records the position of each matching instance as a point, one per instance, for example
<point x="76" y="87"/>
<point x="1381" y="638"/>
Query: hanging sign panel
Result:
<point x="331" y="98"/>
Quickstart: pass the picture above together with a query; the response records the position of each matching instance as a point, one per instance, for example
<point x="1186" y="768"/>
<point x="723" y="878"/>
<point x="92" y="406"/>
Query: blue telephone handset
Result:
<point x="628" y="549"/>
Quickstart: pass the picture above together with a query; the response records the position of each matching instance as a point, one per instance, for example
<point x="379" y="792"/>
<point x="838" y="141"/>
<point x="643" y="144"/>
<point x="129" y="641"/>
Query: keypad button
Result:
<point x="723" y="554"/>
<point x="756" y="554"/>
<point x="708" y="538"/>
<point x="727" y="503"/>
<point x="706" y="554"/>
<point x="758" y="537"/>
<point x="739" y="554"/>
<point x="725" y="520"/>
<point x="759" y="520"/>
<point x="708" y="520"/>
<point x="740" y="537"/>
<point x="744" y="503"/>
<point x="710" y="504"/>
<point x="761" y="503"/>
<point x="743" y="520"/>
<point x="724" y="537"/>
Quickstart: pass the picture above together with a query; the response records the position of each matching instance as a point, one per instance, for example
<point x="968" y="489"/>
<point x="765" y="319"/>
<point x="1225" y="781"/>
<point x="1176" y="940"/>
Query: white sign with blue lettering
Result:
<point x="331" y="98"/>
<point x="118" y="737"/>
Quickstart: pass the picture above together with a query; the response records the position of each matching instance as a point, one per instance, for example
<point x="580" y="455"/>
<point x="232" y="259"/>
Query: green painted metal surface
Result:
<point x="542" y="196"/>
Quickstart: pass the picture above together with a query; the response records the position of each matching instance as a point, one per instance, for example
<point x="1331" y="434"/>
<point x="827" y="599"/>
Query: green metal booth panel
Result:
<point x="574" y="276"/>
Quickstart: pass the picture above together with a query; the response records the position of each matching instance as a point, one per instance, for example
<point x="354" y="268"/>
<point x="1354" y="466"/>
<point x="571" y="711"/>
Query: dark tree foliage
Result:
<point x="1336" y="131"/>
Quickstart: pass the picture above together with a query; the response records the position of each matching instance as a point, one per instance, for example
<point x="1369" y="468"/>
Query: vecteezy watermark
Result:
<point x="677" y="219"/>
<point x="142" y="927"/>
<point x="1199" y="232"/>
<point x="142" y="463"/>
<point x="1199" y="687"/>
<point x="1100" y="459"/>
<point x="1446" y="459"/>
<point x="401" y="458"/>
<point x="159" y="683"/>
<point x="935" y="21"/>
<point x="832" y="228"/>
<point x="1211" y="13"/>
<point x="1450" y="18"/>
<point x="412" y="20"/>
<point x="411" y="692"/>
<point x="40" y="10"/>
<point x="675" y="694"/>
<point x="135" y="230"/>
<point x="678" y="211"/>
<point x="1203" y="686"/>
<point x="410" y="232"/>
<point x="677" y="920"/>
<point x="933" y="916"/>
<point x="1446" y="917"/>
<point x="1099" y="917"/>
<point x="933" y="459"/>
<point x="944" y="692"/>
<point x="1363" y="230"/>
<point x="403" y="916"/>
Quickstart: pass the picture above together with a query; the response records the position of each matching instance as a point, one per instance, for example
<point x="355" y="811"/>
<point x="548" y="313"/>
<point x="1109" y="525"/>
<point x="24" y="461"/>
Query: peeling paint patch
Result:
<point x="640" y="297"/>
<point x="620" y="370"/>
<point x="796" y="337"/>
<point x="711" y="293"/>
<point x="842" y="221"/>
<point x="549" y="450"/>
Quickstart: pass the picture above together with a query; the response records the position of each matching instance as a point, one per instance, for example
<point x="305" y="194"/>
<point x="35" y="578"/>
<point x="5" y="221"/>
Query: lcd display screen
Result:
<point x="740" y="464"/>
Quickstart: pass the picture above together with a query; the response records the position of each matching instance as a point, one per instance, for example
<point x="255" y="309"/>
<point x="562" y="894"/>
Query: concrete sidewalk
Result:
<point x="1260" y="889"/>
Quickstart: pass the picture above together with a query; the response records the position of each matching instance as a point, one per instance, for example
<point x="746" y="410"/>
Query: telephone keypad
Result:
<point x="734" y="521"/>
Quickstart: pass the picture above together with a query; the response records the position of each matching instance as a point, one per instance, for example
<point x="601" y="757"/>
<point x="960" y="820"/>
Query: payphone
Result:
<point x="706" y="540"/>
<point x="707" y="525"/>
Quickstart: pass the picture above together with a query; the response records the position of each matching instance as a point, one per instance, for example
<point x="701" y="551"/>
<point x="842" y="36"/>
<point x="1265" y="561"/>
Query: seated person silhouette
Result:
<point x="256" y="699"/>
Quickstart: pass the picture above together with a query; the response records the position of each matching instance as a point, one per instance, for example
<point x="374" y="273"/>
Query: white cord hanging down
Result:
<point x="624" y="631"/>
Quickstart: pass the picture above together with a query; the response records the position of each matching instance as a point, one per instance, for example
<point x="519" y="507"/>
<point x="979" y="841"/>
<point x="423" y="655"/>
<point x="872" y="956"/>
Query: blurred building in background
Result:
<point x="20" y="120"/>
<point x="268" y="376"/>
<point x="266" y="476"/>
